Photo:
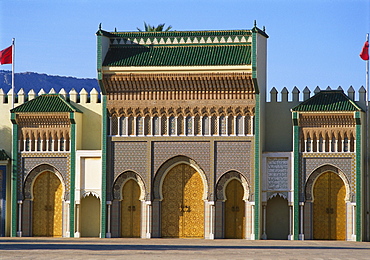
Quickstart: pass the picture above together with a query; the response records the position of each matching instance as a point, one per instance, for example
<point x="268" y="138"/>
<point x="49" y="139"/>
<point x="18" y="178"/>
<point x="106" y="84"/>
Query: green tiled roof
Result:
<point x="328" y="100"/>
<point x="178" y="55"/>
<point x="3" y="156"/>
<point x="46" y="103"/>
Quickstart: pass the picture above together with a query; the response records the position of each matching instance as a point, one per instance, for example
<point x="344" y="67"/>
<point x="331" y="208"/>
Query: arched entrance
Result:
<point x="277" y="218"/>
<point x="47" y="205"/>
<point x="234" y="210"/>
<point x="90" y="216"/>
<point x="130" y="209"/>
<point x="182" y="204"/>
<point x="329" y="209"/>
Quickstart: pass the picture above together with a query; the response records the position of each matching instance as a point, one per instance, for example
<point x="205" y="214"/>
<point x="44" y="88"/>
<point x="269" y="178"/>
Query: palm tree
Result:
<point x="150" y="28"/>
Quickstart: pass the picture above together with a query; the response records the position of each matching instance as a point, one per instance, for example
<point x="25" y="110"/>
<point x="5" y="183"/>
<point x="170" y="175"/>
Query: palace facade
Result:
<point x="182" y="141"/>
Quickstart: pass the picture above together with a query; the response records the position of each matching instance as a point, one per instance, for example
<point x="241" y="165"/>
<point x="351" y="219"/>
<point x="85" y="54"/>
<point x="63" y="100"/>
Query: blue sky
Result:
<point x="312" y="43"/>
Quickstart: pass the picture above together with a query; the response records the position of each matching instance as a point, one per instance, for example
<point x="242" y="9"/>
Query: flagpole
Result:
<point x="13" y="54"/>
<point x="367" y="165"/>
<point x="367" y="78"/>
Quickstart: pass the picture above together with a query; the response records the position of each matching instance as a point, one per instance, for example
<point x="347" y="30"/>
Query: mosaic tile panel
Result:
<point x="198" y="151"/>
<point x="345" y="162"/>
<point x="233" y="156"/>
<point x="130" y="156"/>
<point x="30" y="161"/>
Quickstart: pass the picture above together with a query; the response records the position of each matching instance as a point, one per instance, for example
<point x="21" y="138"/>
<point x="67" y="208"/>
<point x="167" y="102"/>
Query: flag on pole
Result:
<point x="365" y="51"/>
<point x="6" y="55"/>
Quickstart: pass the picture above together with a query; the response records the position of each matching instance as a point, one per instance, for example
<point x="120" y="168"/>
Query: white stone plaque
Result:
<point x="277" y="173"/>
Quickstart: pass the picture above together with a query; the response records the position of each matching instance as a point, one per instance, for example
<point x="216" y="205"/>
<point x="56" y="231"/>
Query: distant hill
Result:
<point x="36" y="81"/>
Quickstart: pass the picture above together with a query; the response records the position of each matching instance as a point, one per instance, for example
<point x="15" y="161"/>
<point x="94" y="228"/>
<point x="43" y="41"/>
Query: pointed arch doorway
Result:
<point x="234" y="210"/>
<point x="182" y="204"/>
<point x="47" y="205"/>
<point x="329" y="208"/>
<point x="130" y="209"/>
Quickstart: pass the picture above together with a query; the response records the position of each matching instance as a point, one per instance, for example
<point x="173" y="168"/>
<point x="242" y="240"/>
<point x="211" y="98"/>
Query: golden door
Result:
<point x="130" y="210"/>
<point x="47" y="206"/>
<point x="182" y="205"/>
<point x="329" y="208"/>
<point x="234" y="210"/>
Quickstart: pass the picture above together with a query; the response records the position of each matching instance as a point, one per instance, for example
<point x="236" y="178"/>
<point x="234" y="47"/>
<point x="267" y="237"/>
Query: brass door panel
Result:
<point x="234" y="210"/>
<point x="182" y="205"/>
<point x="130" y="210"/>
<point x="47" y="206"/>
<point x="329" y="209"/>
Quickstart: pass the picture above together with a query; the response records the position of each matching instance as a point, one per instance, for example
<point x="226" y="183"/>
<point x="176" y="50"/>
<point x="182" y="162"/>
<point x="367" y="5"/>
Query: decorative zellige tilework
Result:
<point x="30" y="161"/>
<point x="198" y="151"/>
<point x="346" y="164"/>
<point x="234" y="156"/>
<point x="130" y="156"/>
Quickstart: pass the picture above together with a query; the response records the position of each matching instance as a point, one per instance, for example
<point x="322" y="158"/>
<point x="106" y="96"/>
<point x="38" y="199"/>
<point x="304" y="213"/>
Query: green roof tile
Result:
<point x="328" y="100"/>
<point x="46" y="103"/>
<point x="179" y="55"/>
<point x="3" y="156"/>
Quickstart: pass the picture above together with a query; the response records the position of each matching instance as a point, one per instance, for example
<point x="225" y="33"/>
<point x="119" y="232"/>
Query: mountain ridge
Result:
<point x="38" y="81"/>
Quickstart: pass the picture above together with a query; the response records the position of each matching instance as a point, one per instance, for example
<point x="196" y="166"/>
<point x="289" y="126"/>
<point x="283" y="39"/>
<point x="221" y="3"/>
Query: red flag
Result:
<point x="6" y="55"/>
<point x="365" y="51"/>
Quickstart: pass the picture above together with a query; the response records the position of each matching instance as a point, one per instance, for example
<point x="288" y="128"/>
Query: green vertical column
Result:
<point x="72" y="176"/>
<point x="257" y="181"/>
<point x="14" y="178"/>
<point x="257" y="153"/>
<point x="296" y="176"/>
<point x="358" y="178"/>
<point x="104" y="170"/>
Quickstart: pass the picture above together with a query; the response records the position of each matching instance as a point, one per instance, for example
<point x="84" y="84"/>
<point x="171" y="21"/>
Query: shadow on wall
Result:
<point x="6" y="139"/>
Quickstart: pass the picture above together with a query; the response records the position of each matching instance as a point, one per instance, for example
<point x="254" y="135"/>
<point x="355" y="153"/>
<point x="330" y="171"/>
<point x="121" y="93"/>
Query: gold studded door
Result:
<point x="329" y="209"/>
<point x="182" y="205"/>
<point x="47" y="206"/>
<point x="130" y="210"/>
<point x="234" y="210"/>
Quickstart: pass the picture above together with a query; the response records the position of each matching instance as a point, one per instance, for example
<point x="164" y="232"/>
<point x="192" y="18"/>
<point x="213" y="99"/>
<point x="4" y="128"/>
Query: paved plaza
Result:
<point x="120" y="248"/>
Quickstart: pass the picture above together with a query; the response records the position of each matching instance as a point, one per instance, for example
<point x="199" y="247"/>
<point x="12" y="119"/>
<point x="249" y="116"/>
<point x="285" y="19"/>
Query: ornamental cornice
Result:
<point x="181" y="40"/>
<point x="327" y="120"/>
<point x="133" y="82"/>
<point x="182" y="111"/>
<point x="43" y="121"/>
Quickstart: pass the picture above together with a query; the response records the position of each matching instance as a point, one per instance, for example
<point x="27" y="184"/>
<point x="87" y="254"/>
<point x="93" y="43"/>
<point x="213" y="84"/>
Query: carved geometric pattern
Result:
<point x="326" y="168"/>
<point x="242" y="38"/>
<point x="233" y="156"/>
<point x="115" y="112"/>
<point x="198" y="151"/>
<point x="31" y="160"/>
<point x="130" y="156"/>
<point x="121" y="180"/>
<point x="221" y="184"/>
<point x="345" y="164"/>
<point x="34" y="173"/>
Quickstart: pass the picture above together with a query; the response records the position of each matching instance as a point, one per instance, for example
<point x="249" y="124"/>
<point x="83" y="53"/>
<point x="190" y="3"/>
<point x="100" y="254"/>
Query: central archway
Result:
<point x="182" y="204"/>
